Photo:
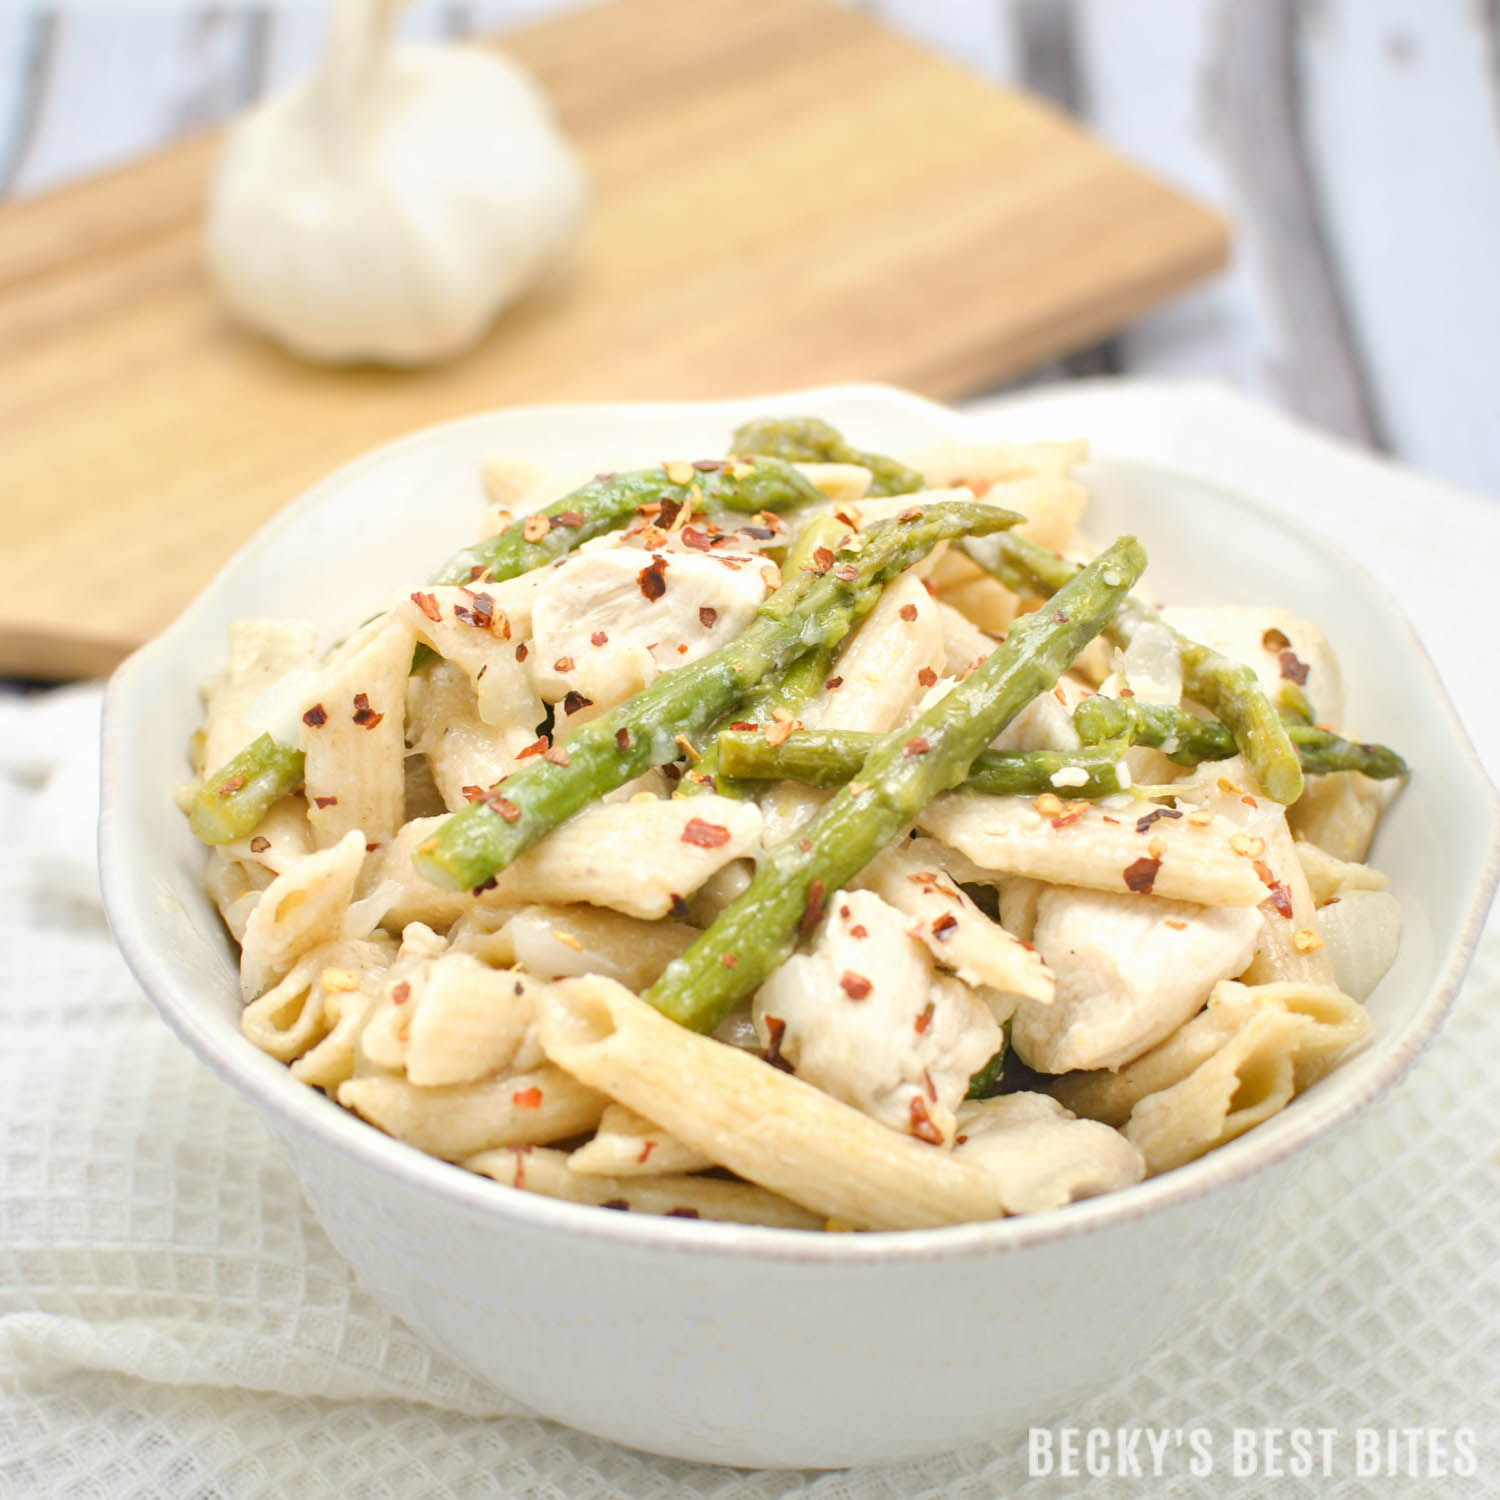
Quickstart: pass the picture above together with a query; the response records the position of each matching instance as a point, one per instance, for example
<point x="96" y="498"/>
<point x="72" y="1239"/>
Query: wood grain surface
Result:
<point x="787" y="193"/>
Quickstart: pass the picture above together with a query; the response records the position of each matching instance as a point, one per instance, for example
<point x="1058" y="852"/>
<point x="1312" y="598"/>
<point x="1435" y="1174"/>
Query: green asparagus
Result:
<point x="1189" y="740"/>
<point x="610" y="501"/>
<point x="810" y="611"/>
<point x="904" y="771"/>
<point x="231" y="802"/>
<point x="830" y="757"/>
<point x="802" y="680"/>
<point x="810" y="440"/>
<point x="1225" y="687"/>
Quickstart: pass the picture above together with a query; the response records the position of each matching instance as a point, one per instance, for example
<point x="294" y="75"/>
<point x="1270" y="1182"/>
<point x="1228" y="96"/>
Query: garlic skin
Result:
<point x="389" y="207"/>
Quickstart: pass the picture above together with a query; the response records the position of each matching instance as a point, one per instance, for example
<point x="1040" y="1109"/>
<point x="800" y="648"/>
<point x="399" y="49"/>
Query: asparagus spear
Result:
<point x="904" y="771"/>
<point x="830" y="757"/>
<point x="810" y="440"/>
<point x="1189" y="740"/>
<point x="802" y="680"/>
<point x="809" y="612"/>
<point x="1225" y="687"/>
<point x="608" y="502"/>
<point x="232" y="801"/>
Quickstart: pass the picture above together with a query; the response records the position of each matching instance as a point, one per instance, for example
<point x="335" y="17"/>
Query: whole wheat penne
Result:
<point x="762" y="1124"/>
<point x="296" y="1013"/>
<point x="1084" y="844"/>
<point x="912" y="878"/>
<point x="629" y="1145"/>
<point x="352" y="734"/>
<point x="260" y="653"/>
<point x="538" y="1170"/>
<point x="519" y="1109"/>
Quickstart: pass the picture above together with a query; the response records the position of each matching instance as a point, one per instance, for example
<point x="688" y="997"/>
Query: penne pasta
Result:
<point x="538" y="1170"/>
<point x="519" y="1109"/>
<point x="761" y="1124"/>
<point x="629" y="1145"/>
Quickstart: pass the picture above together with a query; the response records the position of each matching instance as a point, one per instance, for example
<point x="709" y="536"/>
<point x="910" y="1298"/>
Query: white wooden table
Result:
<point x="1355" y="143"/>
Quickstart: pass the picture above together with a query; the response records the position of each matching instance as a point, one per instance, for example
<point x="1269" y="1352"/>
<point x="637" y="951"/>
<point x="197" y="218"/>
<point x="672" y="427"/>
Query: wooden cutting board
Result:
<point x="786" y="194"/>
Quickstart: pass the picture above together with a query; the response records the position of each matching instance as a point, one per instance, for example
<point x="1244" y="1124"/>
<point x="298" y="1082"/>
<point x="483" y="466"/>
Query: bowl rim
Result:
<point x="291" y="1105"/>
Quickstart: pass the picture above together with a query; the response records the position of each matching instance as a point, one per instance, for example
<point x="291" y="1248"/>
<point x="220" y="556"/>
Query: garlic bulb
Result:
<point x="388" y="208"/>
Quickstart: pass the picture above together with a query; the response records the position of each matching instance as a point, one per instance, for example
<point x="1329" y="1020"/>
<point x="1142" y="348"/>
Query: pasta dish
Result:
<point x="802" y="837"/>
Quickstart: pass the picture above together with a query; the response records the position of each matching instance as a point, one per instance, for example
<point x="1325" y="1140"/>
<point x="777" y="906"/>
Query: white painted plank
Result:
<point x="1143" y="66"/>
<point x="125" y="80"/>
<point x="980" y="34"/>
<point x="1401" y="123"/>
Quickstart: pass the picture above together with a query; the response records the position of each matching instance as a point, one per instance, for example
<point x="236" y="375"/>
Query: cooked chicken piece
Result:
<point x="1130" y="970"/>
<point x="607" y="622"/>
<point x="864" y="1018"/>
<point x="1041" y="1155"/>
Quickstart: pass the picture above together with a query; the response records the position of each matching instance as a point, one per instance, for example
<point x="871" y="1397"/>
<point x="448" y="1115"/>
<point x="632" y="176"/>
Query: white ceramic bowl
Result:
<point x="720" y="1342"/>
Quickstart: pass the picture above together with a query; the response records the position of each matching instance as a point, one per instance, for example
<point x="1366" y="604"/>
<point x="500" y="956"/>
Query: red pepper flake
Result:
<point x="429" y="606"/>
<point x="534" y="528"/>
<point x="744" y="724"/>
<point x="855" y="986"/>
<point x="1292" y="669"/>
<point x="834" y="684"/>
<point x="805" y="845"/>
<point x="911" y="513"/>
<point x="480" y="613"/>
<point x="229" y="786"/>
<point x="859" y="930"/>
<point x="812" y="913"/>
<point x="931" y="1087"/>
<point x="536" y="747"/>
<point x="622" y="738"/>
<point x="527" y="1098"/>
<point x="917" y="746"/>
<point x="652" y="578"/>
<point x="316" y="717"/>
<point x="708" y="616"/>
<point x="505" y="807"/>
<point x="259" y="844"/>
<point x="1141" y="876"/>
<point x="646" y="1151"/>
<point x="1281" y="899"/>
<point x="682" y="1213"/>
<point x="846" y="572"/>
<point x="574" y="701"/>
<point x="698" y="540"/>
<point x="326" y="801"/>
<point x="1067" y="819"/>
<point x="943" y="928"/>
<point x="705" y="835"/>
<point x="1176" y="924"/>
<point x="921" y="1122"/>
<point x="473" y="793"/>
<point x="775" y="1030"/>
<point x="1155" y="816"/>
<point x="568" y="518"/>
<point x="557" y="756"/>
<point x="1274" y="642"/>
<point x="364" y="715"/>
<point x="563" y="664"/>
<point x="598" y="639"/>
<point x="729" y="960"/>
<point x="1249" y="801"/>
<point x="521" y="652"/>
<point x="924" y="1020"/>
<point x="1264" y="871"/>
<point x="927" y="677"/>
<point x="477" y="572"/>
<point x="908" y="612"/>
<point x="822" y="560"/>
